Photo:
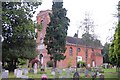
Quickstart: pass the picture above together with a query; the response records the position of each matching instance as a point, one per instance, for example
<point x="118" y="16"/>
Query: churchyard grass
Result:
<point x="108" y="73"/>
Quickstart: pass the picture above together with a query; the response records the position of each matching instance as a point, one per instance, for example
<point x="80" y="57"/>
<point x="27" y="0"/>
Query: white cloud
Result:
<point x="101" y="11"/>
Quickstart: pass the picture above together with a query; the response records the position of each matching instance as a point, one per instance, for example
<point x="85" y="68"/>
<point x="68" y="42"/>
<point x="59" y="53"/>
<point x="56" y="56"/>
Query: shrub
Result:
<point x="21" y="61"/>
<point x="69" y="62"/>
<point x="82" y="64"/>
<point x="50" y="63"/>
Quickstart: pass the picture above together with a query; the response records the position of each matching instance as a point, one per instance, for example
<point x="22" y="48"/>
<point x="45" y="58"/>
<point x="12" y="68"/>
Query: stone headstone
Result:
<point x="15" y="71"/>
<point x="114" y="67"/>
<point x="25" y="72"/>
<point x="35" y="68"/>
<point x="18" y="73"/>
<point x="31" y="71"/>
<point x="93" y="75"/>
<point x="53" y="73"/>
<point x="56" y="74"/>
<point x="64" y="70"/>
<point x="106" y="65"/>
<point x="101" y="77"/>
<point x="86" y="72"/>
<point x="68" y="73"/>
<point x="0" y="68"/>
<point x="72" y="70"/>
<point x="98" y="73"/>
<point x="42" y="68"/>
<point x="81" y="70"/>
<point x="76" y="75"/>
<point x="5" y="74"/>
<point x="3" y="70"/>
<point x="59" y="71"/>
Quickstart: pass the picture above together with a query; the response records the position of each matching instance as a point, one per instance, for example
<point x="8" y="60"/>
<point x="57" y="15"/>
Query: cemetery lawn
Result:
<point x="108" y="73"/>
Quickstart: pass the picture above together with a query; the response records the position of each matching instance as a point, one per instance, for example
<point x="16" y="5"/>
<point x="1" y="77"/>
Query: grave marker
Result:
<point x="18" y="73"/>
<point x="5" y="74"/>
<point x="35" y="68"/>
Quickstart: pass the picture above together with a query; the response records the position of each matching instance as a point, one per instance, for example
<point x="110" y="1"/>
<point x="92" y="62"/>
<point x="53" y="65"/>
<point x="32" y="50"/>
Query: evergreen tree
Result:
<point x="56" y="32"/>
<point x="18" y="32"/>
<point x="105" y="53"/>
<point x="114" y="53"/>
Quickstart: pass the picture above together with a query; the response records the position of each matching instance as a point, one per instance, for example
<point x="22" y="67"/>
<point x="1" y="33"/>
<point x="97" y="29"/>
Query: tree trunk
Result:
<point x="11" y="66"/>
<point x="27" y="63"/>
<point x="55" y="63"/>
<point x="15" y="61"/>
<point x="3" y="63"/>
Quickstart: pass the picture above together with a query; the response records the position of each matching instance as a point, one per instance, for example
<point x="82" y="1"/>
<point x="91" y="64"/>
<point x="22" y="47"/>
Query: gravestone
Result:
<point x="76" y="76"/>
<point x="53" y="73"/>
<point x="31" y="71"/>
<point x="5" y="74"/>
<point x="64" y="70"/>
<point x="93" y="75"/>
<point x="59" y="71"/>
<point x="0" y="68"/>
<point x="81" y="70"/>
<point x="18" y="73"/>
<point x="106" y="65"/>
<point x="42" y="68"/>
<point x="98" y="73"/>
<point x="15" y="71"/>
<point x="101" y="77"/>
<point x="86" y="73"/>
<point x="25" y="71"/>
<point x="35" y="68"/>
<point x="68" y="73"/>
<point x="3" y="70"/>
<point x="72" y="70"/>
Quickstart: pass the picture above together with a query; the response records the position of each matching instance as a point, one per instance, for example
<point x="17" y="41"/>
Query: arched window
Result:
<point x="71" y="51"/>
<point x="92" y="49"/>
<point x="78" y="49"/>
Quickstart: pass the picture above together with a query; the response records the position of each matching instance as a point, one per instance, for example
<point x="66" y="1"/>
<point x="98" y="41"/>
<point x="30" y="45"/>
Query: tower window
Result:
<point x="78" y="49"/>
<point x="71" y="51"/>
<point x="92" y="49"/>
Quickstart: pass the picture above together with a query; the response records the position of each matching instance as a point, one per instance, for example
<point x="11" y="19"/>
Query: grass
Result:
<point x="108" y="73"/>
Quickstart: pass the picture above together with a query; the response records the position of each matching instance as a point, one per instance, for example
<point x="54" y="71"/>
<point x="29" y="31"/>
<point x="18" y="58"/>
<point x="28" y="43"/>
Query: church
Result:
<point x="74" y="51"/>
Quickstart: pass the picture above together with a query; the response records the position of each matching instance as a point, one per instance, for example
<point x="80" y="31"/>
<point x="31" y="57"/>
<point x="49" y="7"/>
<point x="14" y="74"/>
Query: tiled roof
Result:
<point x="74" y="40"/>
<point x="79" y="41"/>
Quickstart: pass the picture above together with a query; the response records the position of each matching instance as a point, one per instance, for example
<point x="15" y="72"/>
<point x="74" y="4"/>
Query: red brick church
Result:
<point x="94" y="59"/>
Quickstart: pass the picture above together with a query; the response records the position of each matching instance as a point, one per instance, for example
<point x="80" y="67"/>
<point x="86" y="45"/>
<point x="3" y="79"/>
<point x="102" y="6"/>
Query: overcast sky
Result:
<point x="100" y="11"/>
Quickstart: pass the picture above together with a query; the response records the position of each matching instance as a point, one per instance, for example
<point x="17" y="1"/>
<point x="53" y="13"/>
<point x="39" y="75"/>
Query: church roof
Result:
<point x="81" y="42"/>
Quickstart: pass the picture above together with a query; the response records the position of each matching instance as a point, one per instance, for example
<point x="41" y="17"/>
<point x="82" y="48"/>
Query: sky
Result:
<point x="102" y="12"/>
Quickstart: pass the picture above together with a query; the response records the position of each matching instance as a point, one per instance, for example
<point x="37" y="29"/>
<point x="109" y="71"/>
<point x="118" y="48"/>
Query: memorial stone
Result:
<point x="101" y="77"/>
<point x="81" y="70"/>
<point x="68" y="73"/>
<point x="35" y="68"/>
<point x="59" y="71"/>
<point x="18" y="73"/>
<point x="25" y="72"/>
<point x="86" y="72"/>
<point x="5" y="74"/>
<point x="76" y="76"/>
